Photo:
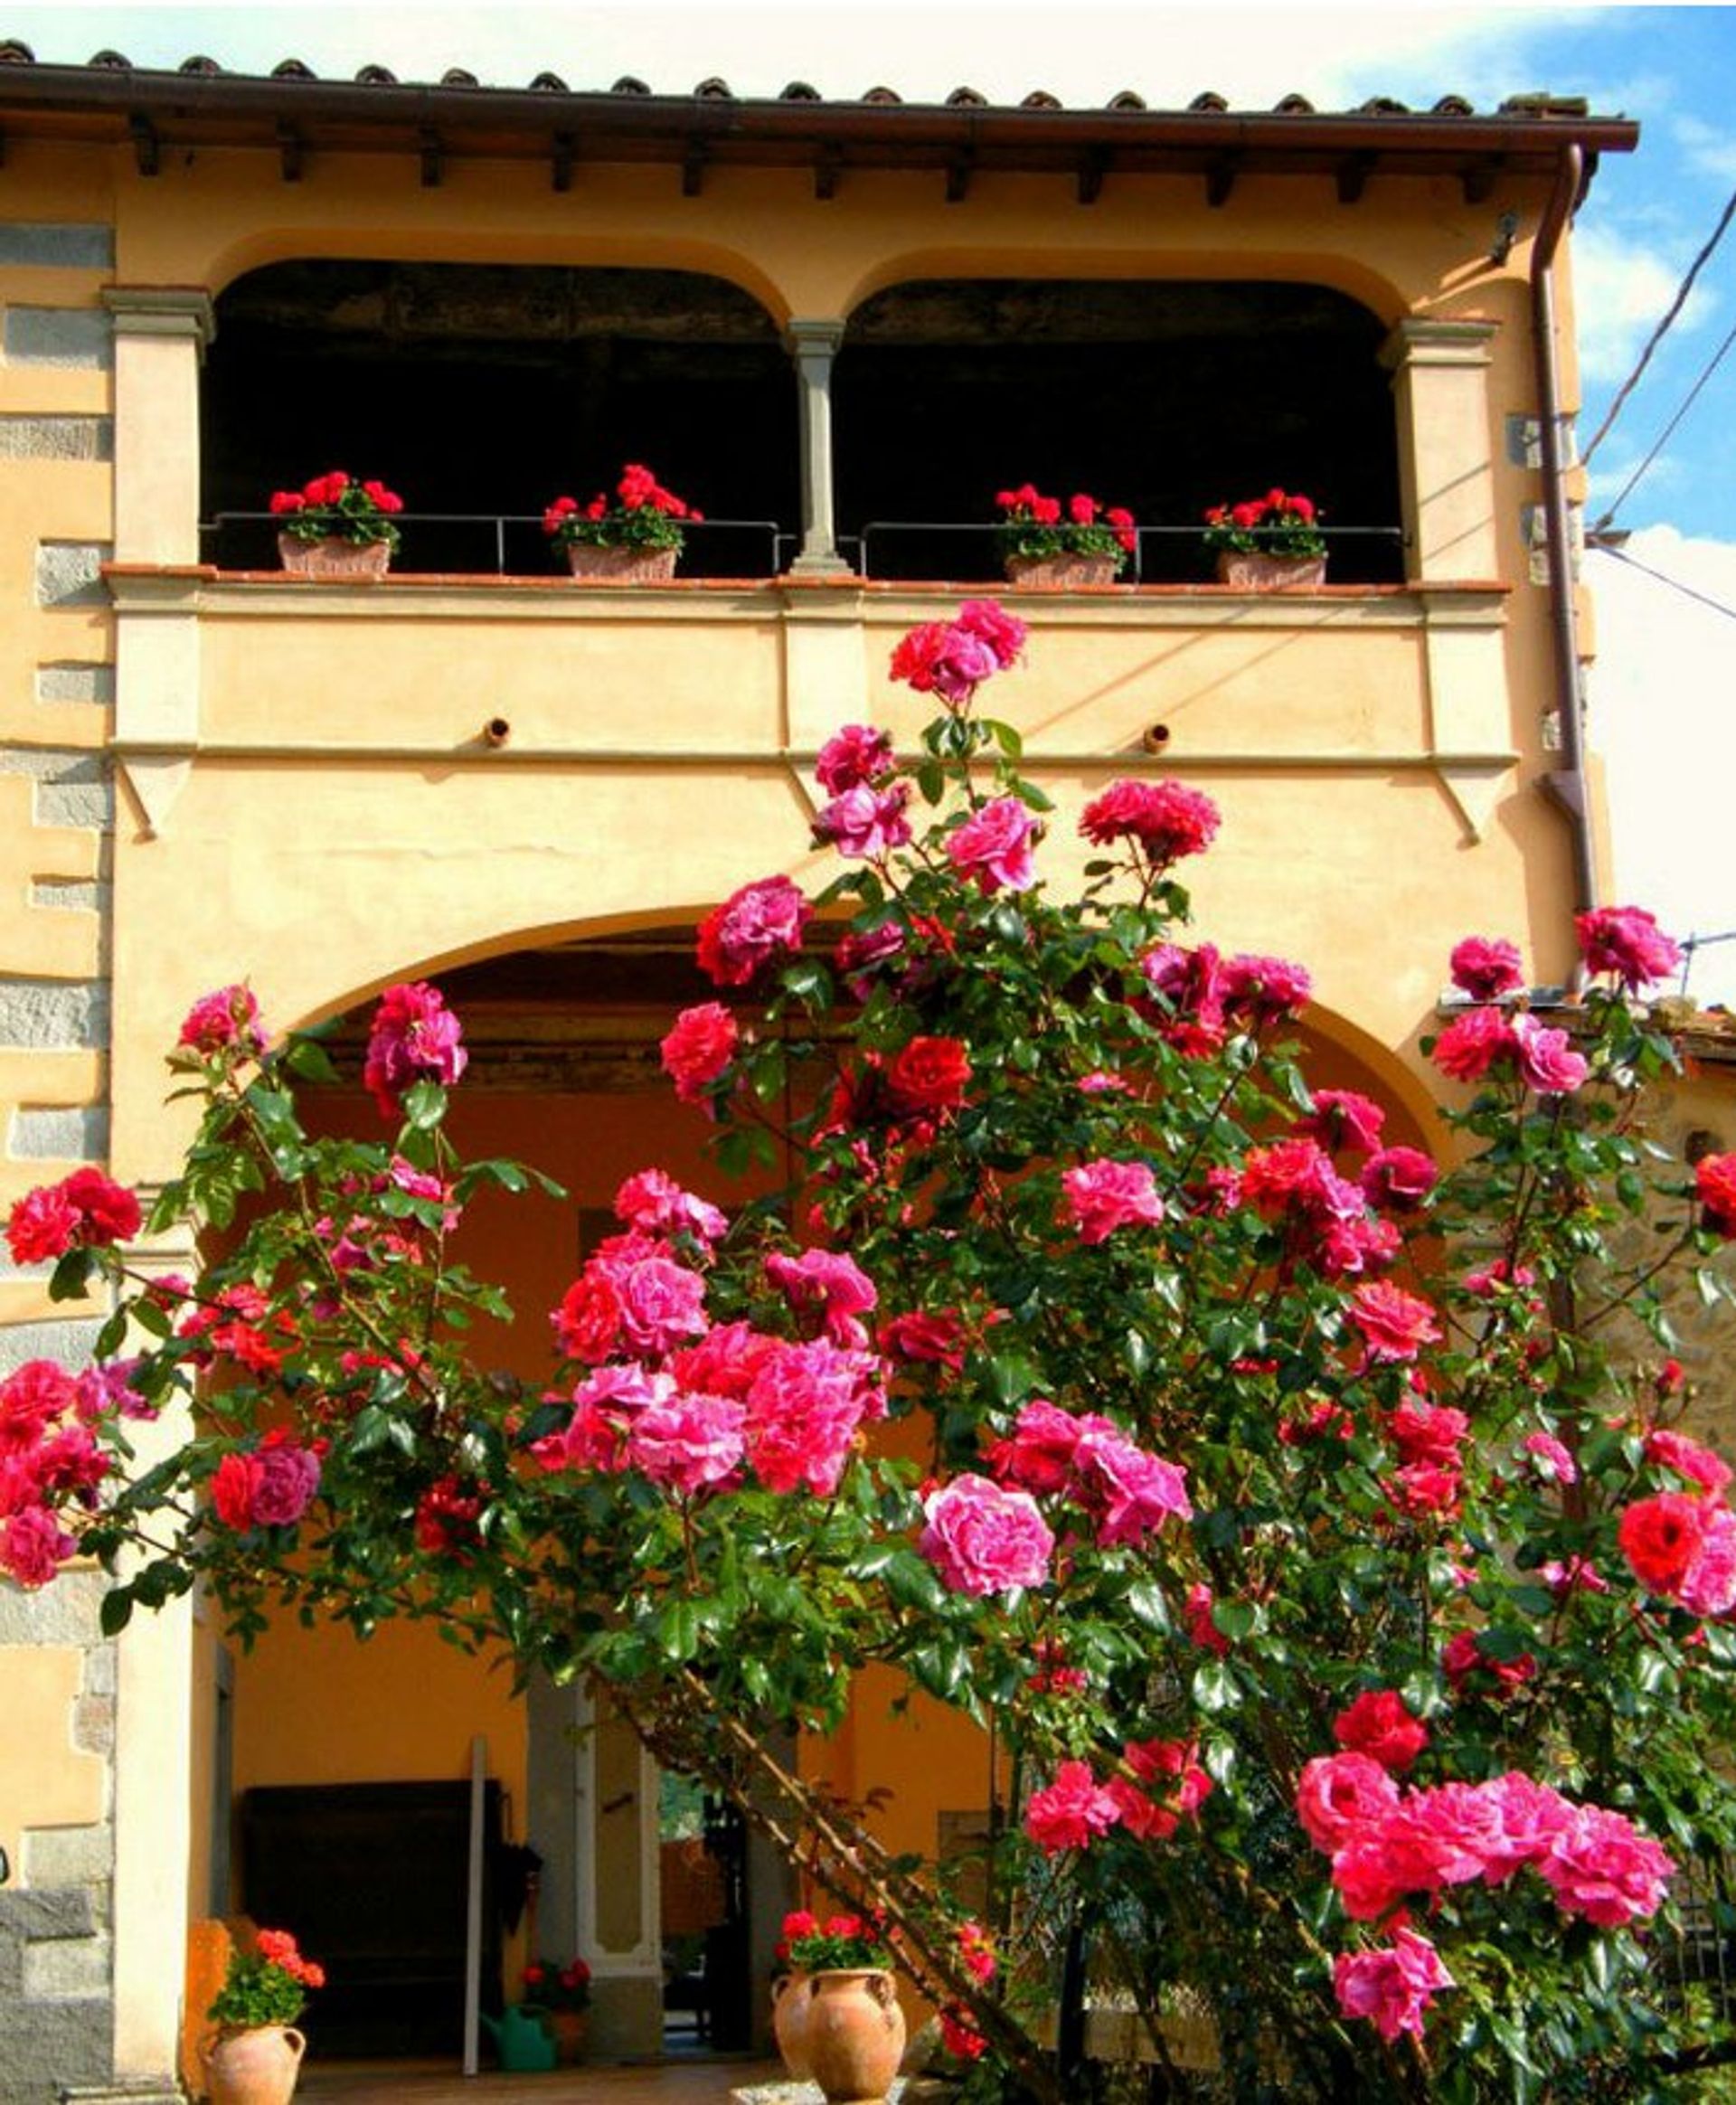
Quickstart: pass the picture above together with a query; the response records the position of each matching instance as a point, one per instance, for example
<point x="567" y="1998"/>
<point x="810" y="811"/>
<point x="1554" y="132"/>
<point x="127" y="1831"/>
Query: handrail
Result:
<point x="780" y="537"/>
<point x="1394" y="534"/>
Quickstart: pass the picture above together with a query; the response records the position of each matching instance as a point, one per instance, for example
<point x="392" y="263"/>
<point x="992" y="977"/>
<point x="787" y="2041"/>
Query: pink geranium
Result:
<point x="982" y="1538"/>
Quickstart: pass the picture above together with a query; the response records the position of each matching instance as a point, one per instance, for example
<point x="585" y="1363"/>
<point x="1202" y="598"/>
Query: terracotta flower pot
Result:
<point x="620" y="566"/>
<point x="1270" y="573"/>
<point x="789" y="1994"/>
<point x="571" y="2030"/>
<point x="1050" y="573"/>
<point x="334" y="558"/>
<point x="855" y="2034"/>
<point x="257" y="2067"/>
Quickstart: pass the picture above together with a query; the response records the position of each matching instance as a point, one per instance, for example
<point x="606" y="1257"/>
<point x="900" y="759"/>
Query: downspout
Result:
<point x="1566" y="786"/>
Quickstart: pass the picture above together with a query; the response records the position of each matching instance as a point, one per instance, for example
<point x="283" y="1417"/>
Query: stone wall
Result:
<point x="57" y="1674"/>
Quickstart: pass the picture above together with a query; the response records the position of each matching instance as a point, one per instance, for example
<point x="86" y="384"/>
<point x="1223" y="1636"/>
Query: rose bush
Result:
<point x="1312" y="1519"/>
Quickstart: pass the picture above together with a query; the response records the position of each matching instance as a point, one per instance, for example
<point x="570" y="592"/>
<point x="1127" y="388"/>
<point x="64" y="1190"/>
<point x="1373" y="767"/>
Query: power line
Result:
<point x="1664" y="437"/>
<point x="1675" y="584"/>
<point x="1657" y="335"/>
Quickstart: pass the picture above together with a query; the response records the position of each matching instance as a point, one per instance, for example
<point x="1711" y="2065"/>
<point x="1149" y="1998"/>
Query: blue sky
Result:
<point x="1662" y="703"/>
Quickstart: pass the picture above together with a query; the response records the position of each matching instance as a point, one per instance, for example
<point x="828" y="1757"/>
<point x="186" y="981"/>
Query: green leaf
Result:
<point x="1148" y="1607"/>
<point x="310" y="1060"/>
<point x="678" y="1629"/>
<point x="424" y="1104"/>
<point x="116" y="1612"/>
<point x="1215" y="1687"/>
<point x="72" y="1276"/>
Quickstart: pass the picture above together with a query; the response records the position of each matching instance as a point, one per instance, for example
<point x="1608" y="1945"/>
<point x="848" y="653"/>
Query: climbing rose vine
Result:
<point x="1303" y="1499"/>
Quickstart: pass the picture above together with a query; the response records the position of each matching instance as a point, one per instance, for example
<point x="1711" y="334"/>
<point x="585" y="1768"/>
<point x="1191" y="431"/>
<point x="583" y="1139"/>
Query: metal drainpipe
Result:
<point x="1565" y="785"/>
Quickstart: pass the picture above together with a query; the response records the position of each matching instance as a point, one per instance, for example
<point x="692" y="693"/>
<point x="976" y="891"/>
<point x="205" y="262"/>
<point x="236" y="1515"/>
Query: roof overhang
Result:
<point x="297" y="117"/>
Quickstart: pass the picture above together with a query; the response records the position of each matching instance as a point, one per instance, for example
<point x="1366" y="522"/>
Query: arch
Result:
<point x="1167" y="395"/>
<point x="377" y="365"/>
<point x="1335" y="270"/>
<point x="1390" y="1079"/>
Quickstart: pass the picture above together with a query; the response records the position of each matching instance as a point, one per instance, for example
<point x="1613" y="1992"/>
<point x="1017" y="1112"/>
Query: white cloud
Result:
<point x="1663" y="715"/>
<point x="1705" y="146"/>
<point x="1621" y="290"/>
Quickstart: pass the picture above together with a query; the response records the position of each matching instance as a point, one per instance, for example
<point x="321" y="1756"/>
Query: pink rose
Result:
<point x="288" y="1480"/>
<point x="1392" y="1988"/>
<point x="414" y="1037"/>
<point x="1131" y="1491"/>
<point x="34" y="1545"/>
<point x="830" y="1283"/>
<point x="1398" y="1179"/>
<point x="1262" y="991"/>
<point x="219" y="1023"/>
<point x="804" y="1404"/>
<point x="1098" y="1197"/>
<point x="652" y="1201"/>
<point x="852" y="756"/>
<point x="1627" y="942"/>
<point x="1486" y="969"/>
<point x="1396" y="1326"/>
<point x="1688" y="1458"/>
<point x="687" y="1441"/>
<point x="864" y="822"/>
<point x="993" y="847"/>
<point x="982" y="1539"/>
<point x="1072" y="1811"/>
<point x="1341" y="1118"/>
<point x="1709" y="1584"/>
<point x="754" y="927"/>
<point x="1339" y="1796"/>
<point x="1168" y="819"/>
<point x="1601" y="1866"/>
<point x="1547" y="1061"/>
<point x="661" y="1301"/>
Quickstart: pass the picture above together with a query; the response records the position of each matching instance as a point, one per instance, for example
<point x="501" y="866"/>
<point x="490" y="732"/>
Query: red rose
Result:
<point x="1715" y="1179"/>
<point x="927" y="1075"/>
<point x="698" y="1049"/>
<point x="1378" y="1724"/>
<point x="1660" y="1538"/>
<point x="108" y="1212"/>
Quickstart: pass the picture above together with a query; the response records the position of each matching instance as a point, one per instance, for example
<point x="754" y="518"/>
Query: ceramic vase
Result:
<point x="853" y="2034"/>
<point x="1270" y="573"/>
<point x="256" y="2067"/>
<point x="1050" y="573"/>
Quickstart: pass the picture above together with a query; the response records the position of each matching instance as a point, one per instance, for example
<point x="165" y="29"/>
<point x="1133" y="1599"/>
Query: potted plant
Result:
<point x="1045" y="544"/>
<point x="835" y="2014"/>
<point x="632" y="538"/>
<point x="561" y="1994"/>
<point x="1269" y="543"/>
<point x="337" y="527"/>
<point x="254" y="2054"/>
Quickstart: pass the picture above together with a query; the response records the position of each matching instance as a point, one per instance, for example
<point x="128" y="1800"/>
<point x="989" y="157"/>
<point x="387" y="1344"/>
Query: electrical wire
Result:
<point x="1664" y="436"/>
<point x="1658" y="334"/>
<point x="1675" y="584"/>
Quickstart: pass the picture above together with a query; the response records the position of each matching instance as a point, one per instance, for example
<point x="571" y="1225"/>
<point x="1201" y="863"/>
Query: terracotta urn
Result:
<point x="789" y="2021"/>
<point x="853" y="2034"/>
<point x="256" y="2067"/>
<point x="334" y="557"/>
<point x="1051" y="573"/>
<point x="620" y="566"/>
<point x="1270" y="573"/>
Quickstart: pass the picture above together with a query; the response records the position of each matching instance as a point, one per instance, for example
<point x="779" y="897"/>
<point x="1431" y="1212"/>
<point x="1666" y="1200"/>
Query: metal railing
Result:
<point x="970" y="534"/>
<point x="472" y="533"/>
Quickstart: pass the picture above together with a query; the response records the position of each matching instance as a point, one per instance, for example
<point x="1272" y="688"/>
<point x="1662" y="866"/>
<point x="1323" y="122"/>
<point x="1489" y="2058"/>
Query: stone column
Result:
<point x="161" y="331"/>
<point x="814" y="345"/>
<point x="1440" y="384"/>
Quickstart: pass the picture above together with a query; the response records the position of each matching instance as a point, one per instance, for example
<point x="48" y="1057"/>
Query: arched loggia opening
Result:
<point x="490" y="389"/>
<point x="1166" y="397"/>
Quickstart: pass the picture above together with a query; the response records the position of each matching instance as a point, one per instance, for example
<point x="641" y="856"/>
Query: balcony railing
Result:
<point x="513" y="544"/>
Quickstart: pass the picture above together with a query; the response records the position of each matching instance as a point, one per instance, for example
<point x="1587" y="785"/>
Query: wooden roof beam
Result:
<point x="1354" y="172"/>
<point x="1221" y="179"/>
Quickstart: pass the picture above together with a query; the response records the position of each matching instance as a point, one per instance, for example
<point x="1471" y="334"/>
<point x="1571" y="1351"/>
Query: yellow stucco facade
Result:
<point x="211" y="775"/>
